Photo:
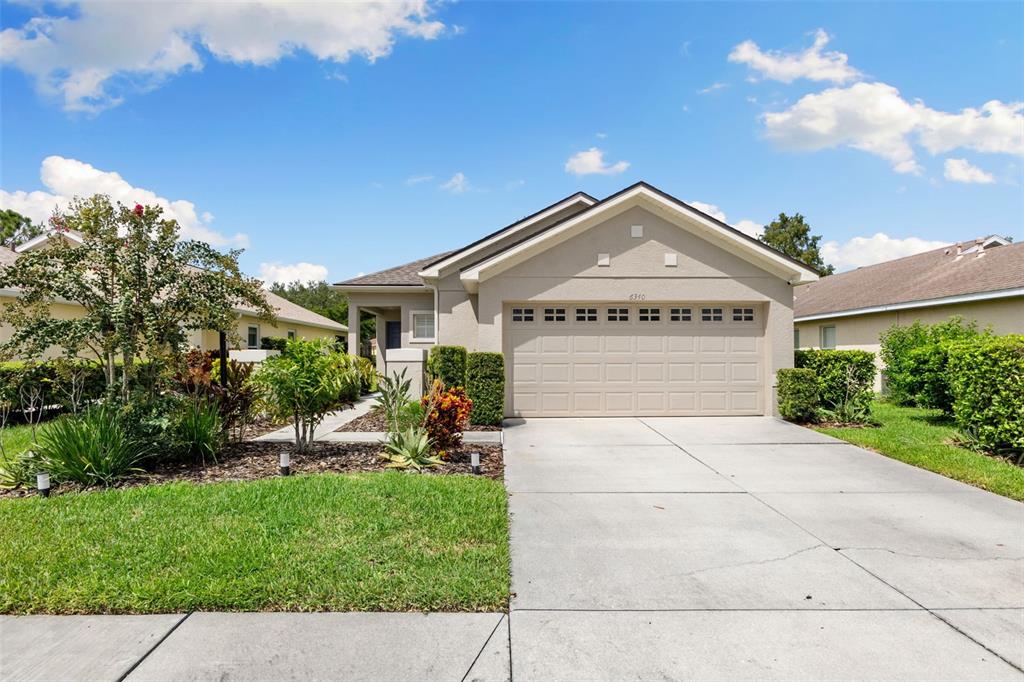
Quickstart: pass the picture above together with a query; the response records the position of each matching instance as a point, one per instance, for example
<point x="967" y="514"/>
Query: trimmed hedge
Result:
<point x="845" y="380"/>
<point x="987" y="383"/>
<point x="799" y="398"/>
<point x="485" y="385"/>
<point x="59" y="382"/>
<point x="915" y="361"/>
<point x="273" y="343"/>
<point x="448" y="363"/>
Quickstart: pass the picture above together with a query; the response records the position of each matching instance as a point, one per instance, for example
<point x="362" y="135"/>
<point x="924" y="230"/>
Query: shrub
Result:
<point x="70" y="384"/>
<point x="915" y="361"/>
<point x="197" y="433"/>
<point x="447" y="364"/>
<point x="93" y="448"/>
<point x="303" y="384"/>
<point x="18" y="469"/>
<point x="367" y="374"/>
<point x="485" y="386"/>
<point x="411" y="414"/>
<point x="236" y="399"/>
<point x="409" y="449"/>
<point x="798" y="395"/>
<point x="446" y="413"/>
<point x="845" y="381"/>
<point x="273" y="343"/>
<point x="354" y="370"/>
<point x="987" y="384"/>
<point x="394" y="395"/>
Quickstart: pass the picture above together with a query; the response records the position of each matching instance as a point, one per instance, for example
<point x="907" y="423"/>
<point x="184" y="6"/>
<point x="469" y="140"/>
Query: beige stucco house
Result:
<point x="980" y="280"/>
<point x="637" y="304"/>
<point x="292" y="321"/>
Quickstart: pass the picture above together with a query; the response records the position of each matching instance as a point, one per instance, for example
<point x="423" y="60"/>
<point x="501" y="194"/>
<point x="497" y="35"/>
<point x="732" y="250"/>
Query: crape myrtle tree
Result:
<point x="141" y="287"/>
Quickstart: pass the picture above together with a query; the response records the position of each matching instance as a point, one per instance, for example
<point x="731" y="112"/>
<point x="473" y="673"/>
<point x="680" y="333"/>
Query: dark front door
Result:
<point x="393" y="334"/>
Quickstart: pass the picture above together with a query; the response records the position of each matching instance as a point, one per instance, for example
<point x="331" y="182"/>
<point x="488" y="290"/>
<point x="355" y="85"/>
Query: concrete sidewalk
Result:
<point x="256" y="646"/>
<point x="333" y="421"/>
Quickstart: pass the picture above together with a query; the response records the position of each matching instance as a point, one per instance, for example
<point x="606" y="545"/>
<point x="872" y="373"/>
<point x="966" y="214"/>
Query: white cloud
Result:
<point x="95" y="51"/>
<point x="457" y="184"/>
<point x="514" y="184"/>
<point x="277" y="273"/>
<point x="65" y="179"/>
<point x="601" y="136"/>
<point x="711" y="88"/>
<point x="417" y="179"/>
<point x="591" y="162"/>
<point x="748" y="227"/>
<point x="874" y="117"/>
<point x="812" y="63"/>
<point x="960" y="170"/>
<point x="880" y="247"/>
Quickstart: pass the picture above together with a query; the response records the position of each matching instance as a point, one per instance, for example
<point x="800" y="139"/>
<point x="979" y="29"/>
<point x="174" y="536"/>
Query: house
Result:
<point x="981" y="281"/>
<point x="293" y="321"/>
<point x="637" y="304"/>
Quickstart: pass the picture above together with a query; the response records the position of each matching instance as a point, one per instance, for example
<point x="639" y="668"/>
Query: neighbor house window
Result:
<point x="742" y="314"/>
<point x="586" y="314"/>
<point x="649" y="314"/>
<point x="618" y="314"/>
<point x="252" y="337"/>
<point x="680" y="314"/>
<point x="522" y="314"/>
<point x="796" y="338"/>
<point x="291" y="334"/>
<point x="422" y="325"/>
<point x="710" y="314"/>
<point x="554" y="314"/>
<point x="828" y="337"/>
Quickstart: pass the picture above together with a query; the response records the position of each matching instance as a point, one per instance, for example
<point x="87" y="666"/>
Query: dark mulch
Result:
<point x="250" y="461"/>
<point x="374" y="420"/>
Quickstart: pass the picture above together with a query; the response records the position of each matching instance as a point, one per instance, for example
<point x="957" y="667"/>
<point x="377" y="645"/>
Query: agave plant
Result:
<point x="409" y="449"/>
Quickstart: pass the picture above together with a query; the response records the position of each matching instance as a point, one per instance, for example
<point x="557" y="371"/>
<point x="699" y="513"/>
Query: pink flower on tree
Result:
<point x="138" y="210"/>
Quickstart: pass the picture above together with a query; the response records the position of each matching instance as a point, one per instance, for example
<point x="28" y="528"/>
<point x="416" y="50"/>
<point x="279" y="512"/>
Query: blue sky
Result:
<point x="344" y="139"/>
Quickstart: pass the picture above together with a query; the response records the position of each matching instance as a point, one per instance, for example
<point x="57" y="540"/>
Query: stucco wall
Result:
<point x="862" y="332"/>
<point x="569" y="272"/>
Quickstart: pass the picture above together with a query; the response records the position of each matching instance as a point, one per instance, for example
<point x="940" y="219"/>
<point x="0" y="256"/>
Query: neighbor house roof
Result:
<point x="954" y="273"/>
<point x="400" y="276"/>
<point x="286" y="311"/>
<point x="7" y="256"/>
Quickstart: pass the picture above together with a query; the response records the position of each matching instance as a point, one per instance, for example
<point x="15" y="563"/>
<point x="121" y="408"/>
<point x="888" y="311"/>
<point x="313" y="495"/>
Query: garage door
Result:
<point x="580" y="359"/>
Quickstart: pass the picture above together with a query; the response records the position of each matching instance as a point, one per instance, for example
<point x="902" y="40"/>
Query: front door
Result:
<point x="393" y="334"/>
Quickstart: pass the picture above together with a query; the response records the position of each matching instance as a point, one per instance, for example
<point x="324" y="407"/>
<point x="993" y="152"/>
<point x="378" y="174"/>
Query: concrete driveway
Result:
<point x="741" y="548"/>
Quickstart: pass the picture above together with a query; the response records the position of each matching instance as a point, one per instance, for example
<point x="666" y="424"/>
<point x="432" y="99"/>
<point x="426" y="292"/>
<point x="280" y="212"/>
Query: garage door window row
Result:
<point x="645" y="314"/>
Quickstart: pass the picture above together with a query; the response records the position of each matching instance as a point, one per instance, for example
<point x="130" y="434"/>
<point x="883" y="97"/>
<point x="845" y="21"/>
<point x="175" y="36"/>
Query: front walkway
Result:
<point x="748" y="548"/>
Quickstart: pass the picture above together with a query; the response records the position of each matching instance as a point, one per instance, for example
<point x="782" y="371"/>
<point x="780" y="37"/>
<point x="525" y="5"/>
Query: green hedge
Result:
<point x="56" y="380"/>
<point x="987" y="385"/>
<point x="846" y="380"/>
<point x="485" y="385"/>
<point x="915" y="361"/>
<point x="799" y="398"/>
<point x="448" y="363"/>
<point x="273" y="343"/>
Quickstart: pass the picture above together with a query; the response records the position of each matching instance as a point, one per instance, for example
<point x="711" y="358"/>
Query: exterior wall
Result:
<point x="389" y="307"/>
<point x="862" y="332"/>
<point x="569" y="272"/>
<point x="63" y="311"/>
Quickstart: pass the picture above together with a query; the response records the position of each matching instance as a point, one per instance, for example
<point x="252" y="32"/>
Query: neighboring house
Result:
<point x="638" y="304"/>
<point x="981" y="281"/>
<point x="293" y="321"/>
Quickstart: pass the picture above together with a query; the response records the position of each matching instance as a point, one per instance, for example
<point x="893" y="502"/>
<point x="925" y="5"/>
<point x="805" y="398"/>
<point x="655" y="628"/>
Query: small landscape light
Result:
<point x="43" y="483"/>
<point x="474" y="461"/>
<point x="286" y="464"/>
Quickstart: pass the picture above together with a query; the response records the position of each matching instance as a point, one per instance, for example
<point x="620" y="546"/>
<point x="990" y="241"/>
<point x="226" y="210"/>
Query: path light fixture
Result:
<point x="474" y="461"/>
<point x="43" y="483"/>
<point x="286" y="464"/>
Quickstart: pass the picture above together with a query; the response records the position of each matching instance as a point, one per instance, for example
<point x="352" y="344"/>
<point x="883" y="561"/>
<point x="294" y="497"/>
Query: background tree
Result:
<point x="16" y="228"/>
<point x="792" y="236"/>
<point x="142" y="290"/>
<point x="322" y="299"/>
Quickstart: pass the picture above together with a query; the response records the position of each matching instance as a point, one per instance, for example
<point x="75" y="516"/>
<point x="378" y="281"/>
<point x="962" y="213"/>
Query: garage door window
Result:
<point x="680" y="315"/>
<point x="618" y="314"/>
<point x="586" y="314"/>
<point x="522" y="314"/>
<point x="742" y="314"/>
<point x="649" y="314"/>
<point x="710" y="314"/>
<point x="554" y="314"/>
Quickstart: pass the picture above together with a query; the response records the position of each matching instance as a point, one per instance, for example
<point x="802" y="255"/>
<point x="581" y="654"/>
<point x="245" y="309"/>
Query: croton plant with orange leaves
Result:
<point x="446" y="413"/>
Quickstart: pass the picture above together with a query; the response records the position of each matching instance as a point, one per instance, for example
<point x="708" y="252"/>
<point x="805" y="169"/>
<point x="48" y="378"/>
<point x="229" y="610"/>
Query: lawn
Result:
<point x="377" y="541"/>
<point x="924" y="438"/>
<point x="16" y="438"/>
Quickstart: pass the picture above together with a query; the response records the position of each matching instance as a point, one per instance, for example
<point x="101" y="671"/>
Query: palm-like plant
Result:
<point x="409" y="449"/>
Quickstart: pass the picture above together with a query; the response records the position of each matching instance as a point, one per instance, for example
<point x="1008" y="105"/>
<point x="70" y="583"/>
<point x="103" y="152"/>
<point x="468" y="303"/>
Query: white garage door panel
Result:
<point x="607" y="368"/>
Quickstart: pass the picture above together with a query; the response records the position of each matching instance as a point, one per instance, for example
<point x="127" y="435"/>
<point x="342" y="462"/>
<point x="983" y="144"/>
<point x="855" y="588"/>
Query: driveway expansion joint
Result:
<point x="153" y="648"/>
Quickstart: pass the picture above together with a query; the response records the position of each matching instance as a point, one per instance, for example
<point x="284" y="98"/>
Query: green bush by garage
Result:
<point x="986" y="380"/>
<point x="447" y="363"/>
<point x="845" y="379"/>
<point x="485" y="385"/>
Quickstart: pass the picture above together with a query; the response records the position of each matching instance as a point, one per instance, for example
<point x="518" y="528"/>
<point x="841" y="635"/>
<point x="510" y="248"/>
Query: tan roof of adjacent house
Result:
<point x="7" y="256"/>
<point x="402" y="276"/>
<point x="287" y="311"/>
<point x="937" y="274"/>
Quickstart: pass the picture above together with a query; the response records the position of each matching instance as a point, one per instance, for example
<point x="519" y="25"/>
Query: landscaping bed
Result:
<point x="252" y="461"/>
<point x="388" y="541"/>
<point x="375" y="421"/>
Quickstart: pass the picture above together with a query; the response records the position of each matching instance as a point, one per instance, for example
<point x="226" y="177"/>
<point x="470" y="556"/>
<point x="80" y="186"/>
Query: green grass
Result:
<point x="924" y="438"/>
<point x="17" y="438"/>
<point x="377" y="541"/>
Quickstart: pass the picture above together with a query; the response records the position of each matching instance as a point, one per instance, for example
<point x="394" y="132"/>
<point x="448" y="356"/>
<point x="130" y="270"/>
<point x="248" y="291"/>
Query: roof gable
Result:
<point x="654" y="200"/>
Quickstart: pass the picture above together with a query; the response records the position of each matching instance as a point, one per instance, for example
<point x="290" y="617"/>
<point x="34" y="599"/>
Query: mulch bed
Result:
<point x="374" y="420"/>
<point x="251" y="461"/>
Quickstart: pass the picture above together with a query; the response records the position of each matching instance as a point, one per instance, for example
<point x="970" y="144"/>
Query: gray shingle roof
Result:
<point x="403" y="275"/>
<point x="926" y="276"/>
